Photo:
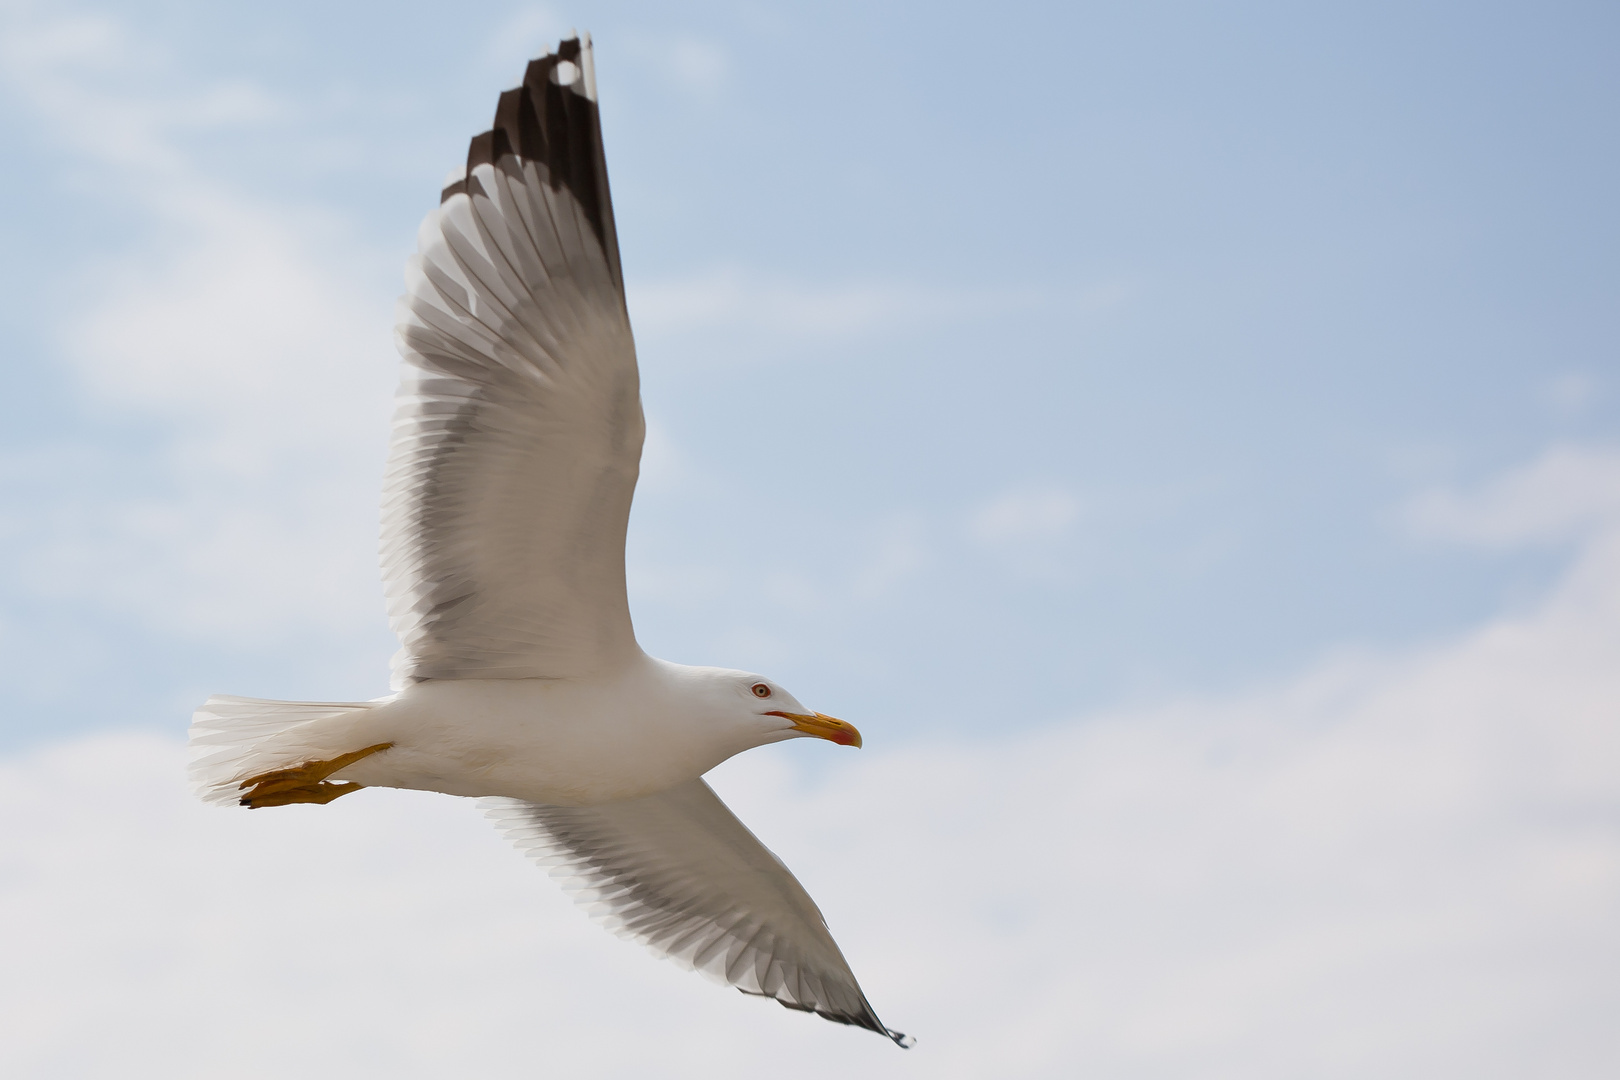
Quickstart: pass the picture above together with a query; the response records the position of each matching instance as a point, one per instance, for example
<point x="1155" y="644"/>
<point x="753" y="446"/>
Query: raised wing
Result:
<point x="518" y="436"/>
<point x="679" y="873"/>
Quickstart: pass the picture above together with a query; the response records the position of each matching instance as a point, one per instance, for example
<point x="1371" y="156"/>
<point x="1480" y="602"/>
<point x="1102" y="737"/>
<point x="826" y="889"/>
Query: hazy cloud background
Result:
<point x="1185" y="439"/>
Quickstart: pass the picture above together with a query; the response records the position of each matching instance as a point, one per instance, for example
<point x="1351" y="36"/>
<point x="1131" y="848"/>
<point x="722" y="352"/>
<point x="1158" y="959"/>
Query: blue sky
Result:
<point x="1007" y="365"/>
<point x="1185" y="438"/>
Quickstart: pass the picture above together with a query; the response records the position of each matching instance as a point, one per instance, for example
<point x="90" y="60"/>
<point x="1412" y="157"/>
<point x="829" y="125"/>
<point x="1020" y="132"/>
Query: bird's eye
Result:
<point x="761" y="690"/>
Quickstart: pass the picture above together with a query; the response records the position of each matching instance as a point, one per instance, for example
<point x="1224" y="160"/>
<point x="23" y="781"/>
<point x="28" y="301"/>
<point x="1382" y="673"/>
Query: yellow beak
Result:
<point x="823" y="726"/>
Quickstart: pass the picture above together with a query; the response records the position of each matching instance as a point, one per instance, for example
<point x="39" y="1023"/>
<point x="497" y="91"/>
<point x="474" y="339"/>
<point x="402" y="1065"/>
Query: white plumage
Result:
<point x="514" y="457"/>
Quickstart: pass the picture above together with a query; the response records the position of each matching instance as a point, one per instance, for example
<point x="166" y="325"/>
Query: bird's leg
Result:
<point x="304" y="784"/>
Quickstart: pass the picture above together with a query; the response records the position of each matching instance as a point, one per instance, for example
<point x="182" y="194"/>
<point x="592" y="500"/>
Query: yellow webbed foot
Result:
<point x="304" y="784"/>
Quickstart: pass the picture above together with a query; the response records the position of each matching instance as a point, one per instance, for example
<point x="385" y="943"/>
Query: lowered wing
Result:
<point x="679" y="873"/>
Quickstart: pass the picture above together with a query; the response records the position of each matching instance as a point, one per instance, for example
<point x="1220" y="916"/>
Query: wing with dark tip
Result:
<point x="517" y="441"/>
<point x="679" y="873"/>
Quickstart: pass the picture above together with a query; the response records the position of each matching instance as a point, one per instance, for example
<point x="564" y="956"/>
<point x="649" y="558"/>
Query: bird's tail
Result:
<point x="233" y="738"/>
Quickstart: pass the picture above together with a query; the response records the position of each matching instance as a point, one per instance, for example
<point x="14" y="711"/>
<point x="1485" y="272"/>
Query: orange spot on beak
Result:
<point x="823" y="726"/>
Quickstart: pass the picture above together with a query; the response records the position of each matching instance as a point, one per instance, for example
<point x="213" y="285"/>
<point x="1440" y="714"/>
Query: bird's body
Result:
<point x="515" y="453"/>
<point x="578" y="741"/>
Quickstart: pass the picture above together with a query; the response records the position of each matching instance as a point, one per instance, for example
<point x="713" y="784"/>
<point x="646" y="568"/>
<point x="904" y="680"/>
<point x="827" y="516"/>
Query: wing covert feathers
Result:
<point x="677" y="872"/>
<point x="517" y="439"/>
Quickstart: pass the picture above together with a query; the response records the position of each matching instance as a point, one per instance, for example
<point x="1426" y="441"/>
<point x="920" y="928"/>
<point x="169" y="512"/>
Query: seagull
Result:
<point x="514" y="455"/>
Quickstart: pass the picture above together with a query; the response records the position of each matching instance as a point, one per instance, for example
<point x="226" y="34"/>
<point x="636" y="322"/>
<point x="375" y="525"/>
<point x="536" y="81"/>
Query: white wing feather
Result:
<point x="517" y="441"/>
<point x="679" y="873"/>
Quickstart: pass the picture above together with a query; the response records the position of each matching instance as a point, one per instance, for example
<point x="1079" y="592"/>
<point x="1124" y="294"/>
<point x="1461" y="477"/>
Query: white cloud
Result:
<point x="104" y="92"/>
<point x="1566" y="492"/>
<point x="528" y="32"/>
<point x="737" y="299"/>
<point x="899" y="554"/>
<point x="256" y="337"/>
<point x="869" y="566"/>
<point x="272" y="378"/>
<point x="1397" y="867"/>
<point x="1031" y="530"/>
<point x="1025" y="515"/>
<point x="696" y="63"/>
<point x="729" y="297"/>
<point x="1573" y="392"/>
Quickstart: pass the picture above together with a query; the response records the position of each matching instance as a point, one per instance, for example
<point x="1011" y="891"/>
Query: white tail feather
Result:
<point x="233" y="738"/>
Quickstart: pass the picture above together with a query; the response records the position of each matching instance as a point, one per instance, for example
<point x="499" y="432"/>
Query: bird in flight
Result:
<point x="514" y="455"/>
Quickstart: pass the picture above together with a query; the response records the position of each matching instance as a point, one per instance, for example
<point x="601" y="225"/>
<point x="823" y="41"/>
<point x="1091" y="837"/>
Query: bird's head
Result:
<point x="772" y="714"/>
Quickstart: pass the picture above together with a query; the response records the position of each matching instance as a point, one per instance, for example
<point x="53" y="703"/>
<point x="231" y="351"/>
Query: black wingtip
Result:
<point x="867" y="1020"/>
<point x="552" y="120"/>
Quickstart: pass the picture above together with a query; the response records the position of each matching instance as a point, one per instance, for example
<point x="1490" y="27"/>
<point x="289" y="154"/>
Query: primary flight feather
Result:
<point x="514" y="458"/>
